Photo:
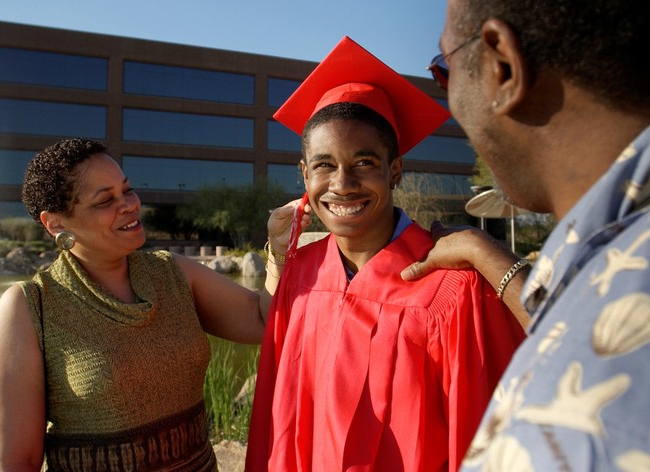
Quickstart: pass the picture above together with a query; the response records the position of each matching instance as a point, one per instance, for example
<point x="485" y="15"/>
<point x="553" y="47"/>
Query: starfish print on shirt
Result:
<point x="574" y="407"/>
<point x="618" y="261"/>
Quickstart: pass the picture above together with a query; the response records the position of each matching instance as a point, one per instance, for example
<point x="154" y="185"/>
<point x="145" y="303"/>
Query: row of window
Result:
<point x="31" y="117"/>
<point x="50" y="69"/>
<point x="151" y="173"/>
<point x="169" y="173"/>
<point x="22" y="66"/>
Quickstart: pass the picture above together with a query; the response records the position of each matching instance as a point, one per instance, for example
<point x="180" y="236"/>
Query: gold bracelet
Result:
<point x="277" y="257"/>
<point x="516" y="267"/>
<point x="271" y="273"/>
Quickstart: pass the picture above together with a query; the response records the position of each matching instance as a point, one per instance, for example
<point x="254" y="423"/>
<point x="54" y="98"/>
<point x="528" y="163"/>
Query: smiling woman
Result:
<point x="108" y="345"/>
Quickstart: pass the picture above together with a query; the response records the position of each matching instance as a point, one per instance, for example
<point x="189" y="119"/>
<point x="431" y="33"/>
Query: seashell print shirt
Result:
<point x="576" y="396"/>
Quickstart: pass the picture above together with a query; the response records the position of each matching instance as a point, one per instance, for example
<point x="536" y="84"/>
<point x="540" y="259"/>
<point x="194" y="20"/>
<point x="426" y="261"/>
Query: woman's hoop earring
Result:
<point x="65" y="240"/>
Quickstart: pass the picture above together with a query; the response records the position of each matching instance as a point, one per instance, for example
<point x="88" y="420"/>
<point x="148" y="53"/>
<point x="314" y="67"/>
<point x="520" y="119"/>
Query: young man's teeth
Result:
<point x="339" y="210"/>
<point x="130" y="225"/>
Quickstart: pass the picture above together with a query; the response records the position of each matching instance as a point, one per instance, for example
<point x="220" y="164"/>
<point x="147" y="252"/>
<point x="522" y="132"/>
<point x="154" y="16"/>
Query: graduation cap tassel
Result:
<point x="295" y="225"/>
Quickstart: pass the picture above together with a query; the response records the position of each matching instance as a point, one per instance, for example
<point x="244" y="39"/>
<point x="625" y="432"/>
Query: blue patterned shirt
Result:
<point x="576" y="396"/>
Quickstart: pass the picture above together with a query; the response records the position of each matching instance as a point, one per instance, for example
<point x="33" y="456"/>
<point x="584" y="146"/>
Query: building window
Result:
<point x="191" y="84"/>
<point x="155" y="173"/>
<point x="443" y="149"/>
<point x="288" y="176"/>
<point x="52" y="119"/>
<point x="185" y="128"/>
<point x="279" y="90"/>
<point x="23" y="66"/>
<point x="13" y="164"/>
<point x="281" y="138"/>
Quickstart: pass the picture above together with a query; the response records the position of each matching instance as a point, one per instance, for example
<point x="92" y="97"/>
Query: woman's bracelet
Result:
<point x="517" y="266"/>
<point x="275" y="274"/>
<point x="277" y="257"/>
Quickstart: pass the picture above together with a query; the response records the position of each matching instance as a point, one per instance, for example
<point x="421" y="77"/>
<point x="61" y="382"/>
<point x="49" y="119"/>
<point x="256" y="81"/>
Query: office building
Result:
<point x="175" y="117"/>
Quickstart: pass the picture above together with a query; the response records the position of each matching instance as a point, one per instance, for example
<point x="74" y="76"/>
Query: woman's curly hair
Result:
<point x="51" y="176"/>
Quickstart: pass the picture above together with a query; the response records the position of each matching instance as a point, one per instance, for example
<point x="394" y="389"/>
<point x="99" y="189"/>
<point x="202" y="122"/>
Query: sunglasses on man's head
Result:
<point x="439" y="68"/>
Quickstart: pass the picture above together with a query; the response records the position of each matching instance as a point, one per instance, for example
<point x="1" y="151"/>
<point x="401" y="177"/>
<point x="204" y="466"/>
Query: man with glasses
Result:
<point x="555" y="96"/>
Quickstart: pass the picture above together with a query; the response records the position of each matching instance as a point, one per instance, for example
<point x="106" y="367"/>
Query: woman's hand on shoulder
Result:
<point x="281" y="220"/>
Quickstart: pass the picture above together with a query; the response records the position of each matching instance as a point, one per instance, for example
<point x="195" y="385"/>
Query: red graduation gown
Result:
<point x="378" y="374"/>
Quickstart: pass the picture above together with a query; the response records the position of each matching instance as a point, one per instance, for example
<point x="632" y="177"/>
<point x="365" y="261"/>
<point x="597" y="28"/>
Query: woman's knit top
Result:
<point x="124" y="382"/>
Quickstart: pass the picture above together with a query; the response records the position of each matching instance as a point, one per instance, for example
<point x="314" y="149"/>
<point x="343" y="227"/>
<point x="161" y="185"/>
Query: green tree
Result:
<point x="533" y="229"/>
<point x="242" y="212"/>
<point x="482" y="173"/>
<point x="162" y="219"/>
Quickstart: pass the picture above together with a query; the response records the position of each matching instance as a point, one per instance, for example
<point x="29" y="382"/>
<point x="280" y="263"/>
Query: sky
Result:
<point x="402" y="33"/>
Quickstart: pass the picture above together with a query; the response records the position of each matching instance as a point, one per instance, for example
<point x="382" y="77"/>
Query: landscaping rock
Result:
<point x="223" y="265"/>
<point x="231" y="456"/>
<point x="17" y="261"/>
<point x="252" y="265"/>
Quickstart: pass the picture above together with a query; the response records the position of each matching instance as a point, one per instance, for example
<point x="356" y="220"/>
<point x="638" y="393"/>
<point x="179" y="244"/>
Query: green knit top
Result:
<point x="124" y="382"/>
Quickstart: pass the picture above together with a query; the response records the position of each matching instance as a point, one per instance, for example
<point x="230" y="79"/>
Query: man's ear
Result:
<point x="506" y="65"/>
<point x="303" y="169"/>
<point x="52" y="222"/>
<point x="396" y="171"/>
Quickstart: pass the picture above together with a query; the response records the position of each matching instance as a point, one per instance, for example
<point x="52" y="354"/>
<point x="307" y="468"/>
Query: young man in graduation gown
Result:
<point x="359" y="369"/>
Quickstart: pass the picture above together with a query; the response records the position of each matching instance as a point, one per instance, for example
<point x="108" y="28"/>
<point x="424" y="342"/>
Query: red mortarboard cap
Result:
<point x="349" y="73"/>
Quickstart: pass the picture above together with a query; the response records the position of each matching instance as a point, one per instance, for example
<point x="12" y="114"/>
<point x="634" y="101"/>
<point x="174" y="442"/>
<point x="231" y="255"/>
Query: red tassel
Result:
<point x="295" y="225"/>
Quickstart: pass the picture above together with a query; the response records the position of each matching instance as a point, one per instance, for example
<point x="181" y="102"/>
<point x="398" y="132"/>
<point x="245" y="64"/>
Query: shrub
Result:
<point x="20" y="229"/>
<point x="232" y="365"/>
